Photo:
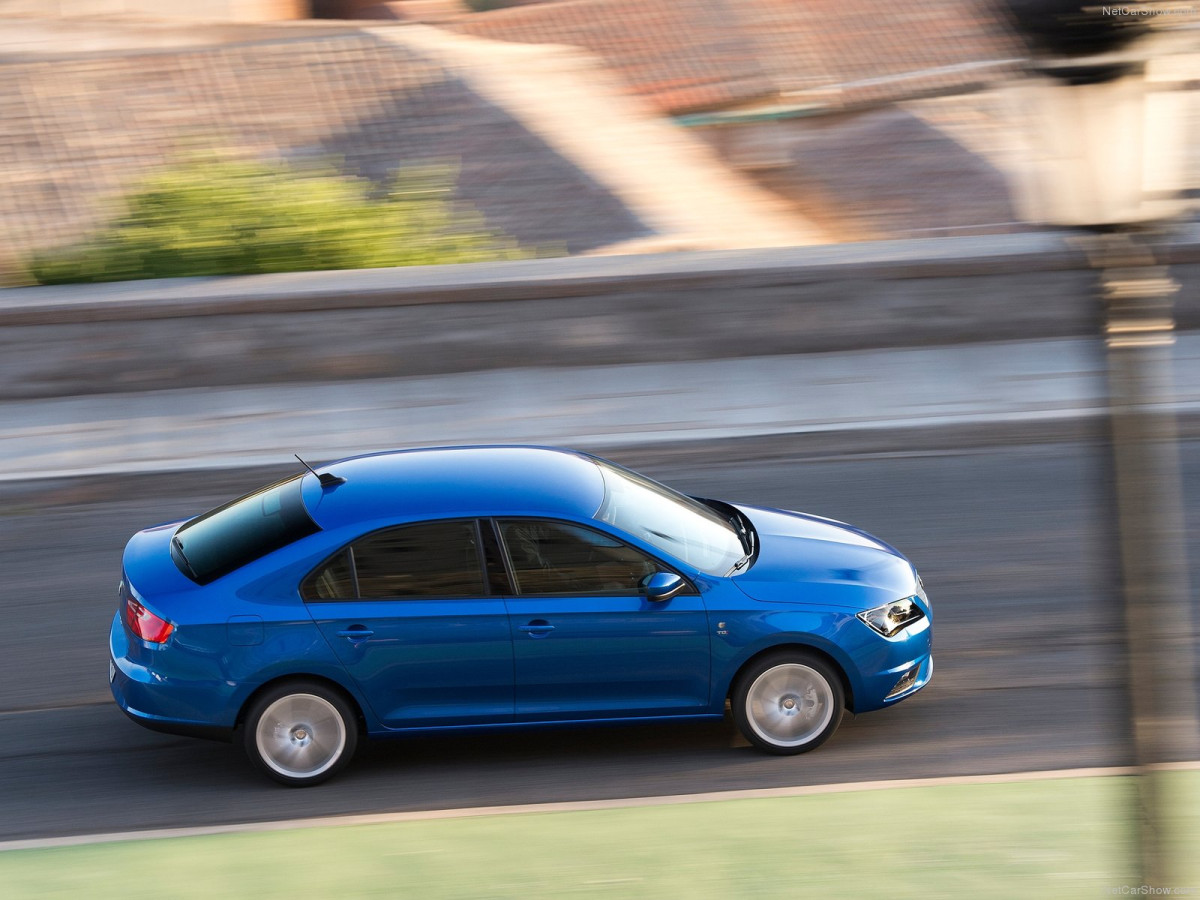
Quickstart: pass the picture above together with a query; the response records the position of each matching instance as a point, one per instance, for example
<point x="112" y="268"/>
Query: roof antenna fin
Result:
<point x="327" y="479"/>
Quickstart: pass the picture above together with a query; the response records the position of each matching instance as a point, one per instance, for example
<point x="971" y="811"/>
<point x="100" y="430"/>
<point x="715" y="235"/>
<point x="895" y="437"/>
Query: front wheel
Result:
<point x="789" y="702"/>
<point x="300" y="733"/>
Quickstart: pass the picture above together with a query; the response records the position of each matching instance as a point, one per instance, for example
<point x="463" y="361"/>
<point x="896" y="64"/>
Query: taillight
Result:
<point x="146" y="624"/>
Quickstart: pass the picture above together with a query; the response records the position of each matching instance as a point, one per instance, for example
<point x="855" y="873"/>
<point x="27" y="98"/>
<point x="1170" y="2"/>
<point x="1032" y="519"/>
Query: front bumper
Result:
<point x="895" y="668"/>
<point x="911" y="680"/>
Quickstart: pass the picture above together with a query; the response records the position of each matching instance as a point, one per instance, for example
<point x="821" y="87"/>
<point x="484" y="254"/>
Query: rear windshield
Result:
<point x="228" y="537"/>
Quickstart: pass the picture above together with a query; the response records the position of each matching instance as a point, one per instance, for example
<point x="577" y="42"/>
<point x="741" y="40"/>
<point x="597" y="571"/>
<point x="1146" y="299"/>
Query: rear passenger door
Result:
<point x="412" y="613"/>
<point x="587" y="643"/>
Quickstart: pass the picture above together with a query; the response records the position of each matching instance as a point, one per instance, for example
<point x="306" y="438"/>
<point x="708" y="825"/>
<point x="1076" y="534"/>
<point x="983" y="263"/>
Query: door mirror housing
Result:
<point x="662" y="586"/>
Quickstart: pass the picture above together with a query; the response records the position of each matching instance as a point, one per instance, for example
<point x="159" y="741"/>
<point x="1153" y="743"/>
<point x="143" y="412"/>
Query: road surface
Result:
<point x="1014" y="543"/>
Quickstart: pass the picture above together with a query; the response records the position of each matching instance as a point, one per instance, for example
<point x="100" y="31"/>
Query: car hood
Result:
<point x="810" y="560"/>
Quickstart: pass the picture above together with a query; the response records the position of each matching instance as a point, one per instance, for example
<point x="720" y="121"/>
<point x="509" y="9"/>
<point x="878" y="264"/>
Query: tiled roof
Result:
<point x="679" y="54"/>
<point x="689" y="55"/>
<point x="880" y="52"/>
<point x="77" y="130"/>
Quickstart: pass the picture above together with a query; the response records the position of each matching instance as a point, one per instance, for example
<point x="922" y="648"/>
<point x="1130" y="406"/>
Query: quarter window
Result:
<point x="332" y="581"/>
<point x="559" y="558"/>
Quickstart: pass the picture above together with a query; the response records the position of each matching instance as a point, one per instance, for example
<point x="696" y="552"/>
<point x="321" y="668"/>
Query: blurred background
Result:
<point x="800" y="253"/>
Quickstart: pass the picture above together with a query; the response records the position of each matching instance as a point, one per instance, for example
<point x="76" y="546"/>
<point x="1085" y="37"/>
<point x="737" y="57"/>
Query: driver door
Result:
<point x="587" y="644"/>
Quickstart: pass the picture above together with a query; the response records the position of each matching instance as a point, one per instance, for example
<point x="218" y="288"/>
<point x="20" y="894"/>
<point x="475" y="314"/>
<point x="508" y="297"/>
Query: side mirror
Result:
<point x="662" y="586"/>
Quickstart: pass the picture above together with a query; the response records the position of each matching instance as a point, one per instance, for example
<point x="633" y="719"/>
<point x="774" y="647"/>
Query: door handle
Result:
<point x="357" y="633"/>
<point x="538" y="628"/>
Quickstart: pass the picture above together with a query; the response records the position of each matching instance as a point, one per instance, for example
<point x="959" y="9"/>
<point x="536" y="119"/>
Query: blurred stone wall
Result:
<point x="428" y="320"/>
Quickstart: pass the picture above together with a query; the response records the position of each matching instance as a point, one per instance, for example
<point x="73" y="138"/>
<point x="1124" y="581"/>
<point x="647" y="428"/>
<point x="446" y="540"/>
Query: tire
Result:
<point x="788" y="702"/>
<point x="300" y="733"/>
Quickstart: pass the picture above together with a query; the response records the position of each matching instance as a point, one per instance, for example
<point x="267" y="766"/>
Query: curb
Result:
<point x="591" y="805"/>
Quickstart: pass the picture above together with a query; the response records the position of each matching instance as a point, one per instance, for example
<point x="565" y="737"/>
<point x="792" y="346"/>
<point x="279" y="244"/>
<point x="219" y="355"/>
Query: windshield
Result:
<point x="675" y="524"/>
<point x="241" y="531"/>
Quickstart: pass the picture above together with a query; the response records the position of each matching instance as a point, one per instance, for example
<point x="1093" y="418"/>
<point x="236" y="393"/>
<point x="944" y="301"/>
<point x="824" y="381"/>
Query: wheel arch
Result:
<point x="803" y="647"/>
<point x="300" y="677"/>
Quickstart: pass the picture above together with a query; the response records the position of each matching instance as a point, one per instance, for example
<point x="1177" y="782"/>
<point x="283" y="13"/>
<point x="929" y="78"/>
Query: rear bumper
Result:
<point x="177" y="726"/>
<point x="160" y="703"/>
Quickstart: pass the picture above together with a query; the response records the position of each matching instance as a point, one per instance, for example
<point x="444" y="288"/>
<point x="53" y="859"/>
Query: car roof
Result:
<point x="444" y="482"/>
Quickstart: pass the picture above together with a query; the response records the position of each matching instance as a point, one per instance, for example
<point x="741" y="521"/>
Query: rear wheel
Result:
<point x="300" y="733"/>
<point x="788" y="702"/>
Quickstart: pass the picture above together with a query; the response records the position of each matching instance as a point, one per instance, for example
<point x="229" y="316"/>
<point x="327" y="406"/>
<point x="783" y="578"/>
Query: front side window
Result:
<point x="559" y="558"/>
<point x="246" y="529"/>
<point x="429" y="560"/>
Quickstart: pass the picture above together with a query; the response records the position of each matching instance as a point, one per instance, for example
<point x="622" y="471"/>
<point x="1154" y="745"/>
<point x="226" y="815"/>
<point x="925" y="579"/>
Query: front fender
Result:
<point x="833" y="632"/>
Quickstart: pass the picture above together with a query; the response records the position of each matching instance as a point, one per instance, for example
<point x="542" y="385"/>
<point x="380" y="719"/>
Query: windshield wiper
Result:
<point x="739" y="565"/>
<point x="745" y="535"/>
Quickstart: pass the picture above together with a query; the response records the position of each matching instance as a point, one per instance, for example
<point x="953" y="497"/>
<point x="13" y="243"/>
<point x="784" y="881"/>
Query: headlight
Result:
<point x="892" y="617"/>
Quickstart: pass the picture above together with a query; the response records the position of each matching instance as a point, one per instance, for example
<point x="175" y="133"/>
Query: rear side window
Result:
<point x="246" y="529"/>
<point x="427" y="560"/>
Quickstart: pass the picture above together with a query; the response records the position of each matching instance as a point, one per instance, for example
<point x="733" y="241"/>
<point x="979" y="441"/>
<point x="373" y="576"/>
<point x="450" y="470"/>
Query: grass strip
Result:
<point x="1058" y="838"/>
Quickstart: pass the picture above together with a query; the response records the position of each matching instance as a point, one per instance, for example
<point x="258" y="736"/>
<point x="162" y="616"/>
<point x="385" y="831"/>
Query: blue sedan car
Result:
<point x="417" y="590"/>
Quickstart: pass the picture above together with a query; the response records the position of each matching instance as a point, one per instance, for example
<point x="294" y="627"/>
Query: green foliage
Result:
<point x="222" y="217"/>
<point x="486" y="5"/>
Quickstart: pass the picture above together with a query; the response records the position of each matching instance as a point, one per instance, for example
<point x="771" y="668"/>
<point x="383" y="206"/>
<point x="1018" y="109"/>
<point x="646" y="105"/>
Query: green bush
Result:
<point x="487" y="5"/>
<point x="221" y="217"/>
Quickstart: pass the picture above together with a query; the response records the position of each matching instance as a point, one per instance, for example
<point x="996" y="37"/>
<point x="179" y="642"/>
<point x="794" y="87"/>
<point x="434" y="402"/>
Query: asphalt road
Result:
<point x="1013" y="542"/>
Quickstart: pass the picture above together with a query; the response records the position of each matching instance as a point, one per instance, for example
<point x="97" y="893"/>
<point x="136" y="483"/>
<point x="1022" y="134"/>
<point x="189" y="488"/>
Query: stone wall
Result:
<point x="327" y="326"/>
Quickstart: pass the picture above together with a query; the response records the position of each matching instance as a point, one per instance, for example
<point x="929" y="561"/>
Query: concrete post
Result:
<point x="1139" y="332"/>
